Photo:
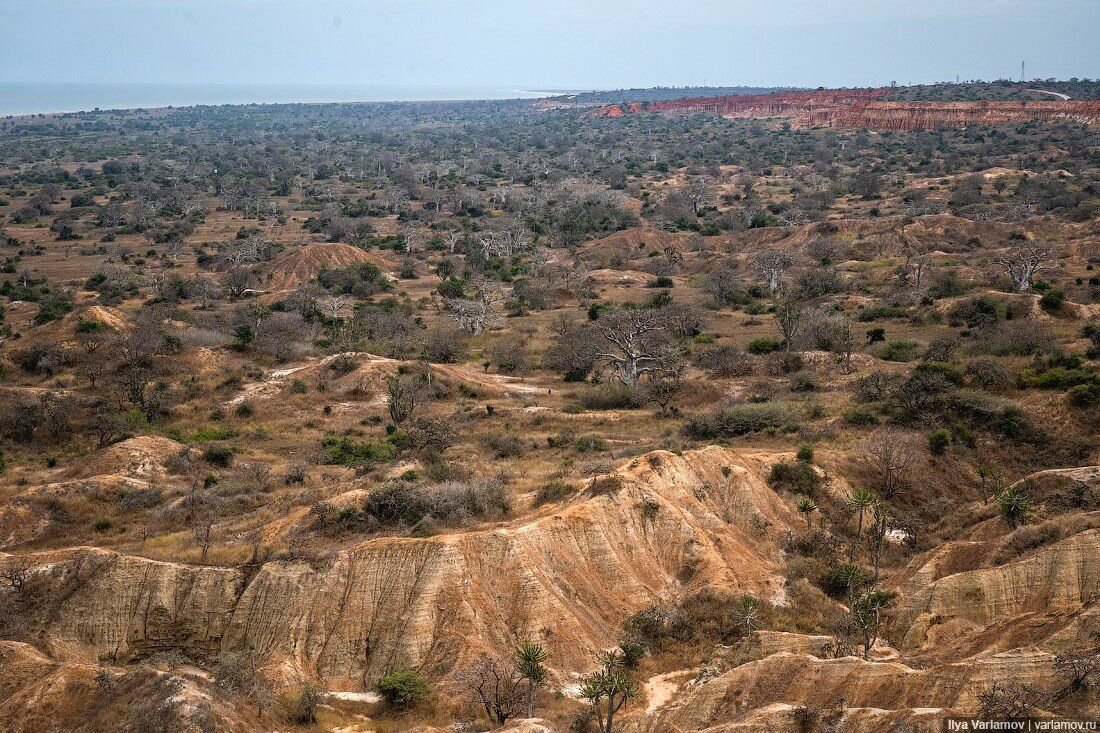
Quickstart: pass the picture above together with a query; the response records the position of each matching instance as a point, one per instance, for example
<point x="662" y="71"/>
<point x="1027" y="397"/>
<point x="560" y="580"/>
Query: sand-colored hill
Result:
<point x="666" y="525"/>
<point x="868" y="696"/>
<point x="37" y="693"/>
<point x="301" y="265"/>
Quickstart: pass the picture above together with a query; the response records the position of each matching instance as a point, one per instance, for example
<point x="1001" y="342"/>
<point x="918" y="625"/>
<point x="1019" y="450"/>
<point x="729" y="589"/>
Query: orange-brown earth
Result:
<point x="865" y="108"/>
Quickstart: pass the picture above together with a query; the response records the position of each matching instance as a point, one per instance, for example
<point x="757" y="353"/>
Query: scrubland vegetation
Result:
<point x="237" y="337"/>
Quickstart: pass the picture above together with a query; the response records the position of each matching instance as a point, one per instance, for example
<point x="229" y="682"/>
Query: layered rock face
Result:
<point x="957" y="633"/>
<point x="782" y="104"/>
<point x="869" y="696"/>
<point x="908" y="116"/>
<point x="661" y="526"/>
<point x="39" y="694"/>
<point x="863" y="108"/>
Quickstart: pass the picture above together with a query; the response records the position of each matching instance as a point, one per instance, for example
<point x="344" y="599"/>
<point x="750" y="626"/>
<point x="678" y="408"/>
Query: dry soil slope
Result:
<point x="569" y="578"/>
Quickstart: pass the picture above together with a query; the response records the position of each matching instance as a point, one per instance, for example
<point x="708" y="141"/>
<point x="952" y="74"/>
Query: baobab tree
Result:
<point x="771" y="265"/>
<point x="1024" y="260"/>
<point x="699" y="192"/>
<point x="335" y="305"/>
<point x="634" y="343"/>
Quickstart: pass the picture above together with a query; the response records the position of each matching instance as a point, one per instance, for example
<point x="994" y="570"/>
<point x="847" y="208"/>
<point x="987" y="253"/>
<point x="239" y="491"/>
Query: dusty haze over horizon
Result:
<point x="556" y="44"/>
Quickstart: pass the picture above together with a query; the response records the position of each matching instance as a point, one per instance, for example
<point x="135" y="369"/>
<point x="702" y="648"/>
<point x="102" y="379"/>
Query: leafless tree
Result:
<point x="771" y="265"/>
<point x="788" y="319"/>
<point x="496" y="684"/>
<point x="208" y="290"/>
<point x="452" y="240"/>
<point x="283" y="335"/>
<point x="1008" y="701"/>
<point x="1078" y="665"/>
<point x="1026" y="259"/>
<point x="203" y="535"/>
<point x="890" y="456"/>
<point x="15" y="573"/>
<point x="404" y="392"/>
<point x="111" y="215"/>
<point x="473" y="315"/>
<point x="237" y="281"/>
<point x="246" y="251"/>
<point x="335" y="305"/>
<point x="634" y="343"/>
<point x="136" y="347"/>
<point x="912" y="272"/>
<point x="700" y="193"/>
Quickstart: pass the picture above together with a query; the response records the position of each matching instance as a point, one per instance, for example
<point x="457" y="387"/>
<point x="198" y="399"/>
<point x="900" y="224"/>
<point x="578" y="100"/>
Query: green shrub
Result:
<point x="217" y="454"/>
<point x="860" y="418"/>
<point x="300" y="707"/>
<point x="899" y="350"/>
<point x="950" y="372"/>
<point x="1057" y="378"/>
<point x="209" y="433"/>
<point x="1084" y="395"/>
<point x="938" y="441"/>
<point x="728" y="422"/>
<point x="612" y="397"/>
<point x="805" y="453"/>
<point x="1012" y="422"/>
<point x="344" y="451"/>
<point x="1015" y="506"/>
<point x="798" y="477"/>
<point x="883" y="311"/>
<point x="551" y="492"/>
<point x="839" y="582"/>
<point x="763" y="345"/>
<point x="89" y="325"/>
<point x="876" y="335"/>
<point x="402" y="689"/>
<point x="504" y="445"/>
<point x="102" y="524"/>
<point x="1052" y="300"/>
<point x="590" y="444"/>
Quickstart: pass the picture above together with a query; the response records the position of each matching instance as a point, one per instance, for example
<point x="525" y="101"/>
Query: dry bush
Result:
<point x="726" y="360"/>
<point x="1031" y="537"/>
<point x="451" y="502"/>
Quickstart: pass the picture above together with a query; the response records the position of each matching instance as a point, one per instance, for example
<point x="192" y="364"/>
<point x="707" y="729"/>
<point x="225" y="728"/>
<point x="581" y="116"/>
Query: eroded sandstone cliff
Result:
<point x="864" y="108"/>
<point x="660" y="526"/>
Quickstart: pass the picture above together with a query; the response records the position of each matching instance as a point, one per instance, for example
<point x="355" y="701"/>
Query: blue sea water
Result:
<point x="25" y="98"/>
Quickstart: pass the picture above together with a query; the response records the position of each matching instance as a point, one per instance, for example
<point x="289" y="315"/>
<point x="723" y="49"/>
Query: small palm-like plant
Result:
<point x="746" y="613"/>
<point x="608" y="689"/>
<point x="1015" y="505"/>
<point x="860" y="500"/>
<point x="807" y="507"/>
<point x="529" y="663"/>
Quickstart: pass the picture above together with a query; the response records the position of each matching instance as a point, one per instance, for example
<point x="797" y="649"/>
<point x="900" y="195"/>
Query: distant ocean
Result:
<point x="25" y="98"/>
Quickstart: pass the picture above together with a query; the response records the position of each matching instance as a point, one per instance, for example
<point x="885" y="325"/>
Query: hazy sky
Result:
<point x="548" y="44"/>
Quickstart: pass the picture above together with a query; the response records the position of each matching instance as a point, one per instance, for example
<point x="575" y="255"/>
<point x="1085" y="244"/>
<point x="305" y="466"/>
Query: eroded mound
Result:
<point x="303" y="264"/>
<point x="650" y="532"/>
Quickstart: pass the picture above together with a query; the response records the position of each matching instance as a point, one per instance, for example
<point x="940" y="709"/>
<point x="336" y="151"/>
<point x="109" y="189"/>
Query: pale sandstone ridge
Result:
<point x="864" y="108"/>
<point x="1057" y="586"/>
<point x="764" y="693"/>
<point x="129" y="466"/>
<point x="670" y="524"/>
<point x="39" y="694"/>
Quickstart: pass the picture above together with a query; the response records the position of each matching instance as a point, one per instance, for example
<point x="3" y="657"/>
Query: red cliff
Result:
<point x="864" y="108"/>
